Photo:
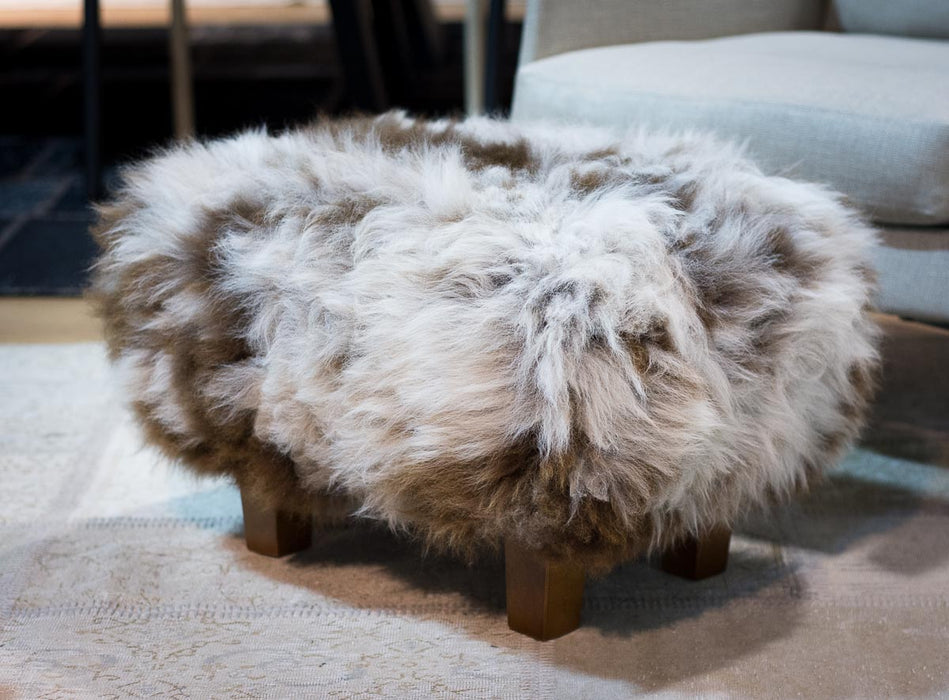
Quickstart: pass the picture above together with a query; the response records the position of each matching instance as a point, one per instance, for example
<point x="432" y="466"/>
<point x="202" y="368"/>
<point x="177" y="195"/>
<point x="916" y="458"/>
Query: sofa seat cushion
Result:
<point x="867" y="115"/>
<point x="913" y="273"/>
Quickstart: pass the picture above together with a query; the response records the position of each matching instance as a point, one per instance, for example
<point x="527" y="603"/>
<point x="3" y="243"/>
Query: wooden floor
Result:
<point x="47" y="320"/>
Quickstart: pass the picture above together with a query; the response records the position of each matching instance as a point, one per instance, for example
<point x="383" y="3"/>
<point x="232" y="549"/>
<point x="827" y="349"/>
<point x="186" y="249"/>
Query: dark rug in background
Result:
<point x="45" y="246"/>
<point x="243" y="77"/>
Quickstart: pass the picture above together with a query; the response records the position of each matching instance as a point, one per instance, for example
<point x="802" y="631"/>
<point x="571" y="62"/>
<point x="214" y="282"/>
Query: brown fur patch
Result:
<point x="788" y="258"/>
<point x="347" y="212"/>
<point x="864" y="377"/>
<point x="684" y="196"/>
<point x="218" y="441"/>
<point x="641" y="346"/>
<point x="394" y="136"/>
<point x="513" y="156"/>
<point x="589" y="181"/>
<point x="611" y="153"/>
<point x="516" y="494"/>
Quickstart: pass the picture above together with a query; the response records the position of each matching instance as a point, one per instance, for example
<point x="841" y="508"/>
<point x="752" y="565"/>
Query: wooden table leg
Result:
<point x="700" y="557"/>
<point x="274" y="533"/>
<point x="544" y="599"/>
<point x="182" y="84"/>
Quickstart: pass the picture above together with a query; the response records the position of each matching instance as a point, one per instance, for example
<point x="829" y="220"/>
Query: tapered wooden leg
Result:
<point x="543" y="599"/>
<point x="274" y="533"/>
<point x="700" y="557"/>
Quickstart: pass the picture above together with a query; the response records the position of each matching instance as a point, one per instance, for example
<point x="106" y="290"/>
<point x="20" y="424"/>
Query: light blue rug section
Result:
<point x="924" y="480"/>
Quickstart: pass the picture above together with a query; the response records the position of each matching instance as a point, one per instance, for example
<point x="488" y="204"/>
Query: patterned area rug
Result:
<point x="122" y="577"/>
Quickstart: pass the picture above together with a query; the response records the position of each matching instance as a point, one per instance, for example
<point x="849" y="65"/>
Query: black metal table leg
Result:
<point x="492" y="59"/>
<point x="358" y="53"/>
<point x="92" y="83"/>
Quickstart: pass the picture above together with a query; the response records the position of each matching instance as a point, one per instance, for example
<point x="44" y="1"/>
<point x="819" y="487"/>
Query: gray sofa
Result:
<point x="851" y="93"/>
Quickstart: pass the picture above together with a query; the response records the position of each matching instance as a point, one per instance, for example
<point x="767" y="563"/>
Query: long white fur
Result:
<point x="433" y="375"/>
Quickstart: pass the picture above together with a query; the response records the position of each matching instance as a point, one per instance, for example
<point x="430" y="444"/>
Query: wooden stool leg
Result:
<point x="543" y="599"/>
<point x="700" y="557"/>
<point x="274" y="532"/>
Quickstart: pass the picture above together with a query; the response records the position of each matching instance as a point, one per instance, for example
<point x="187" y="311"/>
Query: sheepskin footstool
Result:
<point x="581" y="345"/>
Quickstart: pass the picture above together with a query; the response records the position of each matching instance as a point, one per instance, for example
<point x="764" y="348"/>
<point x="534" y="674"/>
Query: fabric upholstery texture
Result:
<point x="913" y="272"/>
<point x="554" y="26"/>
<point x="922" y="18"/>
<point x="868" y="115"/>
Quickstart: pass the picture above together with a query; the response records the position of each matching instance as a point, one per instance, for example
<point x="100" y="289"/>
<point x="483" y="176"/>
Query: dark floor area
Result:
<point x="276" y="76"/>
<point x="44" y="216"/>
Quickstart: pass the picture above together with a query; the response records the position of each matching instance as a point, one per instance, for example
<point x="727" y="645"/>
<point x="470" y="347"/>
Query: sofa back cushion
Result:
<point x="920" y="18"/>
<point x="867" y="115"/>
<point x="556" y="26"/>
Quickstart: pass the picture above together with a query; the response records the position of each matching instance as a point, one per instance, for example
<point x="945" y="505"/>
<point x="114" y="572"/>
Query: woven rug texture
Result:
<point x="121" y="576"/>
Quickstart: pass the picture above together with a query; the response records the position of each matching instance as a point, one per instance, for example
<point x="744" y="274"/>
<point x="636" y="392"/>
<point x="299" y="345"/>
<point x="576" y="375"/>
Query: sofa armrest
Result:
<point x="558" y="26"/>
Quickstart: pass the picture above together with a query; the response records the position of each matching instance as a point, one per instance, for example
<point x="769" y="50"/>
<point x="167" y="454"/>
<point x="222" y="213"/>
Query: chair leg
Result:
<point x="544" y="599"/>
<point x="182" y="84"/>
<point x="92" y="96"/>
<point x="699" y="557"/>
<point x="274" y="533"/>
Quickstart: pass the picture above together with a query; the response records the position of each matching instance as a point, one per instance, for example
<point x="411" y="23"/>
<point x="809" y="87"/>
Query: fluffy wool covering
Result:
<point x="592" y="343"/>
